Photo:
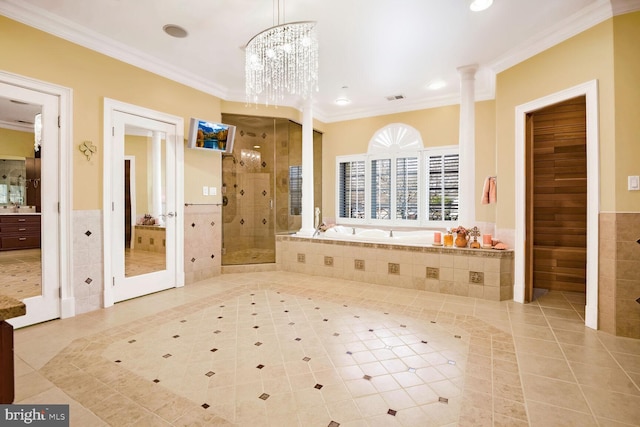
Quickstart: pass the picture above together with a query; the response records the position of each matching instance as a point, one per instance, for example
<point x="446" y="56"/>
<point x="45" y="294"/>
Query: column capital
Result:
<point x="468" y="72"/>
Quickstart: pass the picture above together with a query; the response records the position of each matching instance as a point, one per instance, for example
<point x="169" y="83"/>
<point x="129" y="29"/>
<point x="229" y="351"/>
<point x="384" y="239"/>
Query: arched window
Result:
<point x="398" y="181"/>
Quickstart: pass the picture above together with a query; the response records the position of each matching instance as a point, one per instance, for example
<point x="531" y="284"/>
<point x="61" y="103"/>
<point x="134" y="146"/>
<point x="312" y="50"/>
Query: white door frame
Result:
<point x="64" y="257"/>
<point x="590" y="91"/>
<point x="111" y="106"/>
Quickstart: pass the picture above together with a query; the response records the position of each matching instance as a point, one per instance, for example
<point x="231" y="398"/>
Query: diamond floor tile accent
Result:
<point x="396" y="364"/>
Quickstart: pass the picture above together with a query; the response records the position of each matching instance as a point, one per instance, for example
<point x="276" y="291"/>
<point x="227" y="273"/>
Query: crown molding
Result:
<point x="569" y="27"/>
<point x="485" y="87"/>
<point x="67" y="30"/>
<point x="620" y="7"/>
<point x="16" y="126"/>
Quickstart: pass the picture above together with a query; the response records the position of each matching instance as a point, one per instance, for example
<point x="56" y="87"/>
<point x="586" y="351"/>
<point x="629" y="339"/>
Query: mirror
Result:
<point x="144" y="169"/>
<point x="20" y="253"/>
<point x="13" y="172"/>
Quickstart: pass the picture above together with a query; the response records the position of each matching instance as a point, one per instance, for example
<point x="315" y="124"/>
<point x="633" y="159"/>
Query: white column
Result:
<point x="307" y="170"/>
<point x="156" y="176"/>
<point x="467" y="142"/>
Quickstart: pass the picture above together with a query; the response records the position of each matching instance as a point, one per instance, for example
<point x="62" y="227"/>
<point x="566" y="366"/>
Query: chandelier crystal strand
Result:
<point x="282" y="60"/>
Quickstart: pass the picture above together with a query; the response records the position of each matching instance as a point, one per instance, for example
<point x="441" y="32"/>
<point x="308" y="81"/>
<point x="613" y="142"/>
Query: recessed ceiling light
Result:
<point x="342" y="101"/>
<point x="175" y="31"/>
<point x="436" y="84"/>
<point x="480" y="5"/>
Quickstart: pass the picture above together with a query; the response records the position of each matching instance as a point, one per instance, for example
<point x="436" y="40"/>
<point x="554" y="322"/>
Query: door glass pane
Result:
<point x="20" y="188"/>
<point x="144" y="194"/>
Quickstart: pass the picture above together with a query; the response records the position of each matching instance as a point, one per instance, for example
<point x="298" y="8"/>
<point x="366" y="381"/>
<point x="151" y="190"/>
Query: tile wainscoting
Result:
<point x="619" y="277"/>
<point x="88" y="280"/>
<point x="202" y="242"/>
<point x="478" y="273"/>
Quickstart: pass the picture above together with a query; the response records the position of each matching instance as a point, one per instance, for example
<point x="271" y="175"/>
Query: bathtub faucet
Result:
<point x="353" y="230"/>
<point x="315" y="233"/>
<point x="390" y="233"/>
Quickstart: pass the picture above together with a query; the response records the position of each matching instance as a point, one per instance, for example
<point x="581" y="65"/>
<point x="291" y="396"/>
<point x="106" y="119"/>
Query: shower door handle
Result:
<point x="271" y="204"/>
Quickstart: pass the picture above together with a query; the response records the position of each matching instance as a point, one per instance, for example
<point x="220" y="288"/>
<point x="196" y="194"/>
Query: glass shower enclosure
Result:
<point x="261" y="187"/>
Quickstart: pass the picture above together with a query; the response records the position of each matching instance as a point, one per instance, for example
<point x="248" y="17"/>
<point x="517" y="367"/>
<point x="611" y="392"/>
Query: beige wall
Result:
<point x="626" y="40"/>
<point x="16" y="143"/>
<point x="437" y="126"/>
<point x="585" y="57"/>
<point x="93" y="76"/>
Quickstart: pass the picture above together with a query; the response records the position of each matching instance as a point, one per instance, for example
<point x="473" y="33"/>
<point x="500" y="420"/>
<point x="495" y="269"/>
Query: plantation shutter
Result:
<point x="407" y="188"/>
<point x="381" y="189"/>
<point x="352" y="189"/>
<point x="443" y="176"/>
<point x="295" y="190"/>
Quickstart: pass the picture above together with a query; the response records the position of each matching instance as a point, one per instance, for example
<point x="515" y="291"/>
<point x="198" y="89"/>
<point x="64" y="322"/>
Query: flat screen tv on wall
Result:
<point x="208" y="135"/>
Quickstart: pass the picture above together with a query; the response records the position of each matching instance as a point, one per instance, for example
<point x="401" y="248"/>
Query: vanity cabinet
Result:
<point x="19" y="232"/>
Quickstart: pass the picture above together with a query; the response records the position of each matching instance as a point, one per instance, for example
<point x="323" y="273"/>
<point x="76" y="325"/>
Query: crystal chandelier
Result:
<point x="282" y="60"/>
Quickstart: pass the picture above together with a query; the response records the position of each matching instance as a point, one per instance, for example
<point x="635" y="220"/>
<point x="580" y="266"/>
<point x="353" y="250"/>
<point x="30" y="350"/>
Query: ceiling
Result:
<point x="369" y="49"/>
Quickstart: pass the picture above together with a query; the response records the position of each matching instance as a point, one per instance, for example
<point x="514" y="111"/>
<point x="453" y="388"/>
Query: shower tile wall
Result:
<point x="202" y="242"/>
<point x="88" y="282"/>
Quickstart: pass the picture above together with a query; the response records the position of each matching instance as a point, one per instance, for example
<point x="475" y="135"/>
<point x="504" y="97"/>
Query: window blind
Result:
<point x="352" y="189"/>
<point x="407" y="188"/>
<point x="443" y="176"/>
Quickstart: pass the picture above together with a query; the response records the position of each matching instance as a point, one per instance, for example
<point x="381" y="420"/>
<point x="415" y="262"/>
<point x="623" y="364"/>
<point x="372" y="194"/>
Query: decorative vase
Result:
<point x="461" y="240"/>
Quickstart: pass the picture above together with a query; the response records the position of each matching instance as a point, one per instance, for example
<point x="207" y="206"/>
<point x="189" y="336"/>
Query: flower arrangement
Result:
<point x="460" y="230"/>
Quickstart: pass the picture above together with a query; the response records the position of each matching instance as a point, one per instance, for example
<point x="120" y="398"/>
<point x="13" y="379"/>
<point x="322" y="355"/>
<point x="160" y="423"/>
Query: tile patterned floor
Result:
<point x="137" y="262"/>
<point x="284" y="349"/>
<point x="20" y="273"/>
<point x="21" y="270"/>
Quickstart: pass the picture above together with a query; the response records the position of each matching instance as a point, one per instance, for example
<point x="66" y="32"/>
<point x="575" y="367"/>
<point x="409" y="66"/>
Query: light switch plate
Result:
<point x="213" y="191"/>
<point x="205" y="191"/>
<point x="634" y="183"/>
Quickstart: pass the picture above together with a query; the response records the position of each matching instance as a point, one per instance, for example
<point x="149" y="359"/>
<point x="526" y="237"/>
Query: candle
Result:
<point x="486" y="239"/>
<point x="448" y="239"/>
<point x="436" y="237"/>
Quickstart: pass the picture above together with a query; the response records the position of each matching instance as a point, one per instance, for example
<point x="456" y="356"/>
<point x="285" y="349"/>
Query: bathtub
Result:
<point x="413" y="237"/>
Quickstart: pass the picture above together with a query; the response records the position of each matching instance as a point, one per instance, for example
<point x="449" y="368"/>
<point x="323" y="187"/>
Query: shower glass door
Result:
<point x="249" y="203"/>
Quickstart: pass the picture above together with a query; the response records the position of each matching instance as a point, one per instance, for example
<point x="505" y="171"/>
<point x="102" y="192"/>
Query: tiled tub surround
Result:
<point x="150" y="238"/>
<point x="478" y="273"/>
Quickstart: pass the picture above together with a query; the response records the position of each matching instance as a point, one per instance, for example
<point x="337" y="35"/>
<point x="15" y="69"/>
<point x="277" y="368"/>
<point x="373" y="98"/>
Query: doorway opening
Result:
<point x="39" y="223"/>
<point x="589" y="91"/>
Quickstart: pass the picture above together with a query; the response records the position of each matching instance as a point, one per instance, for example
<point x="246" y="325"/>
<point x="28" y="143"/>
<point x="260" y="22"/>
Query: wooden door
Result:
<point x="557" y="197"/>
